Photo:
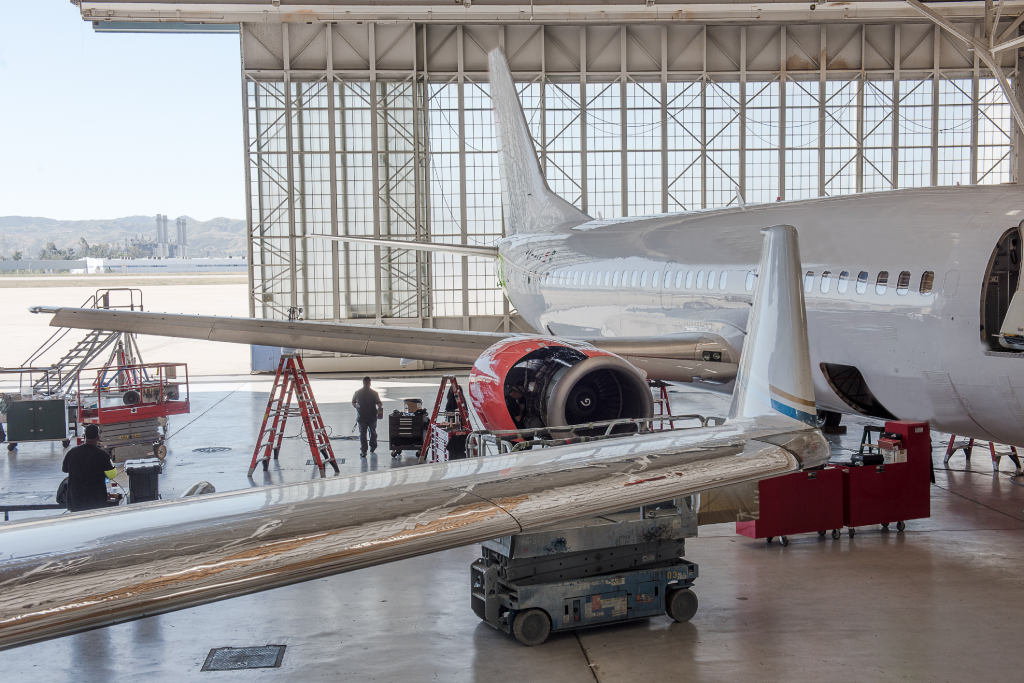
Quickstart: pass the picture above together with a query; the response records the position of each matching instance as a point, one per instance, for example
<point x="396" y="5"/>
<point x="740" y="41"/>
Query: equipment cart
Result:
<point x="37" y="410"/>
<point x="602" y="570"/>
<point x="406" y="428"/>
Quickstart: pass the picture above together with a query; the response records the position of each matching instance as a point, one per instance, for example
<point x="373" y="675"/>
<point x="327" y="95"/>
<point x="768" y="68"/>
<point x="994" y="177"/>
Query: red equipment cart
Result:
<point x="130" y="402"/>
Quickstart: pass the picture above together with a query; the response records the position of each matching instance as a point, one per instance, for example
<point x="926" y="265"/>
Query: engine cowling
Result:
<point x="561" y="384"/>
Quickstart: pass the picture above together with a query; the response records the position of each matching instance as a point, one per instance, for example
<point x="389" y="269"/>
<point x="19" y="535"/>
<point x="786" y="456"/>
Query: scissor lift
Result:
<point x="602" y="570"/>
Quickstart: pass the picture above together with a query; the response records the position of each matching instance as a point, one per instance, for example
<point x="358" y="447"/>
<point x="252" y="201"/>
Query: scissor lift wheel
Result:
<point x="531" y="627"/>
<point x="681" y="604"/>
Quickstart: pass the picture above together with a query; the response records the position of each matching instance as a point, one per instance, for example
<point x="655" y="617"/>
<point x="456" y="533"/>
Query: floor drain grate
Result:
<point x="232" y="658"/>
<point x="211" y="449"/>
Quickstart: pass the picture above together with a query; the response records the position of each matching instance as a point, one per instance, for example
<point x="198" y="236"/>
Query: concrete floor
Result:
<point x="940" y="602"/>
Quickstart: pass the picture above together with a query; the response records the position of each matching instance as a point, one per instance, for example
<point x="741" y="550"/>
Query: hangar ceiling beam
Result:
<point x="540" y="11"/>
<point x="985" y="52"/>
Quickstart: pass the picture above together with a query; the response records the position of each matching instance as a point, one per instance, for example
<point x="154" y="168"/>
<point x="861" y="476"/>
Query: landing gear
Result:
<point x="828" y="422"/>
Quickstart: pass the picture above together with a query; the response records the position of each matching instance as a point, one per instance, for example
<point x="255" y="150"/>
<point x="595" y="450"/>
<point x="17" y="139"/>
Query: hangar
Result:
<point x="370" y="124"/>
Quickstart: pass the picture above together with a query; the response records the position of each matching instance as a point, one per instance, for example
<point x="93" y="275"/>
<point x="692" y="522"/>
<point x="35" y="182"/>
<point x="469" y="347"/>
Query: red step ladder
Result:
<point x="292" y="379"/>
<point x="661" y="404"/>
<point x="455" y="423"/>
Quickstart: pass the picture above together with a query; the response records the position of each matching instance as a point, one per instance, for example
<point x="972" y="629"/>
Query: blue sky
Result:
<point x="109" y="125"/>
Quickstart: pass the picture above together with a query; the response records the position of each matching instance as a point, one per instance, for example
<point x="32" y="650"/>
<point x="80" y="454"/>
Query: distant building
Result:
<point x="182" y="247"/>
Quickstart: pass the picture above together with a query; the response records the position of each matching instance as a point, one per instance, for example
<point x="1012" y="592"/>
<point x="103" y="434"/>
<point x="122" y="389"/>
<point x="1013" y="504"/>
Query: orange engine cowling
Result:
<point x="560" y="384"/>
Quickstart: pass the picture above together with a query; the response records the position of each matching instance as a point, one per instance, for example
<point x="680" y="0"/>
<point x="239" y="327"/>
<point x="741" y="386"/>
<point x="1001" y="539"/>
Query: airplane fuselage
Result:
<point x="917" y="341"/>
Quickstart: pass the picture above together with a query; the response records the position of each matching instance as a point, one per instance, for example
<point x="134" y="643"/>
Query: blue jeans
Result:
<point x="370" y="425"/>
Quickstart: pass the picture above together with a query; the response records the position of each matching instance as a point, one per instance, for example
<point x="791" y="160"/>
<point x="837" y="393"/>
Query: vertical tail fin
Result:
<point x="528" y="202"/>
<point x="775" y="376"/>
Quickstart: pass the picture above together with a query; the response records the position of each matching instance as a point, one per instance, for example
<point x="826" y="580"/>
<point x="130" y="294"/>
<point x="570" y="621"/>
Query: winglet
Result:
<point x="775" y="376"/>
<point x="529" y="204"/>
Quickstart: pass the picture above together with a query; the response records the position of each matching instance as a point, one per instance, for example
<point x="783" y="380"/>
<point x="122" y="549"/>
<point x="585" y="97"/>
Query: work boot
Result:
<point x="362" y="454"/>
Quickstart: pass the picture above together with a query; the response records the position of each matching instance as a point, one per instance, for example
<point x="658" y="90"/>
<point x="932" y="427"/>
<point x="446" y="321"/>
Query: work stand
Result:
<point x="600" y="570"/>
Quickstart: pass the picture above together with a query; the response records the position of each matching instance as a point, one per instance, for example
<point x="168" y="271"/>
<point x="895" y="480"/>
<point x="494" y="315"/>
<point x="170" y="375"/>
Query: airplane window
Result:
<point x="655" y="279"/>
<point x="927" y="278"/>
<point x="607" y="277"/>
<point x="700" y="279"/>
<point x="903" y="283"/>
<point x="862" y="282"/>
<point x="843" y="283"/>
<point x="679" y="279"/>
<point x="882" y="283"/>
<point x="826" y="282"/>
<point x="668" y="279"/>
<point x="749" y="284"/>
<point x="590" y="278"/>
<point x="722" y="279"/>
<point x="689" y="279"/>
<point x="711" y="280"/>
<point x="632" y="280"/>
<point x="808" y="281"/>
<point x="625" y="274"/>
<point x="643" y="279"/>
<point x="575" y="278"/>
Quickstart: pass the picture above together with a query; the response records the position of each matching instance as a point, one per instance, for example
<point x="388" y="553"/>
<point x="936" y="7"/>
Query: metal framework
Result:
<point x="386" y="130"/>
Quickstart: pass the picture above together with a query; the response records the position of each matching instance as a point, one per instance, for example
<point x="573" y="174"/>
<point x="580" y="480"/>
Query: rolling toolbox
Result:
<point x="893" y="491"/>
<point x="405" y="431"/>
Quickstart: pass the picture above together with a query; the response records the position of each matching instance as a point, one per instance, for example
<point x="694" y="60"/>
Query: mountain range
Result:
<point x="30" y="234"/>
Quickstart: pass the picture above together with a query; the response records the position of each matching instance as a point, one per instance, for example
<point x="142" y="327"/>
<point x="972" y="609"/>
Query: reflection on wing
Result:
<point x="70" y="574"/>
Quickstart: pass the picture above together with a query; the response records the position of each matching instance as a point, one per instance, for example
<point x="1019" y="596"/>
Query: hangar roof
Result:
<point x="189" y="14"/>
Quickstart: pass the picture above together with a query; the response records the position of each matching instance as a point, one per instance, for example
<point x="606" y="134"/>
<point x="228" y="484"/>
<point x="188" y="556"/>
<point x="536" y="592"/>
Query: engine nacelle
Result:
<point x="560" y="383"/>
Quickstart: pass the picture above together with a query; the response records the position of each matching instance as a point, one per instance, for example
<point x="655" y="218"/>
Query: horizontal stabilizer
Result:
<point x="463" y="249"/>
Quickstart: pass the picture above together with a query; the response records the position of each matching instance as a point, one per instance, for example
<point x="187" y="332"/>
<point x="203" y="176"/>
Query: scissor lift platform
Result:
<point x="598" y="571"/>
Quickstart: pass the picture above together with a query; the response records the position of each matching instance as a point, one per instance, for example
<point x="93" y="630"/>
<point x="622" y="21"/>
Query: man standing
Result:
<point x="366" y="401"/>
<point x="88" y="466"/>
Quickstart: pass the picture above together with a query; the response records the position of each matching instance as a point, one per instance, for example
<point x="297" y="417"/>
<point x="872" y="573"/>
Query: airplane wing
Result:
<point x="64" y="575"/>
<point x="679" y="358"/>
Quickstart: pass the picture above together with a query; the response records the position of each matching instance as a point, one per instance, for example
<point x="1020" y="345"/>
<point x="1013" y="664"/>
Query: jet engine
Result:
<point x="551" y="383"/>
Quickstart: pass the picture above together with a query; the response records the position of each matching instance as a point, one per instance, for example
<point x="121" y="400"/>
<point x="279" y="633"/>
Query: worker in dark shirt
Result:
<point x="88" y="467"/>
<point x="516" y="404"/>
<point x="366" y="401"/>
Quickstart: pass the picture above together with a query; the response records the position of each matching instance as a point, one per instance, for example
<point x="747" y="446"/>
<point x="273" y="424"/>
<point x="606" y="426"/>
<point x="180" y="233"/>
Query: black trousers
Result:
<point x="367" y="426"/>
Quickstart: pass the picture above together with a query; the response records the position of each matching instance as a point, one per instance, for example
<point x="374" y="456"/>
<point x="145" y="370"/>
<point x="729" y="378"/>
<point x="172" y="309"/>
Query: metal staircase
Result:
<point x="59" y="377"/>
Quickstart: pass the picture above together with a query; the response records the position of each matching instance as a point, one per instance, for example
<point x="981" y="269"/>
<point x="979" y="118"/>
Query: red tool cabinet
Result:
<point x="798" y="503"/>
<point x="838" y="496"/>
<point x="893" y="492"/>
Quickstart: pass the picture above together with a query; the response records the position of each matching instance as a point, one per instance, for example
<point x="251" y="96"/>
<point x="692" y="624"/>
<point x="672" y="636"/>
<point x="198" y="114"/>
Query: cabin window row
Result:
<point x="680" y="279"/>
<point x="863" y="281"/>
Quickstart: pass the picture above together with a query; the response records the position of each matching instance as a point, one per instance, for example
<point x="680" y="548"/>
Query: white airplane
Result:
<point x="912" y="304"/>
